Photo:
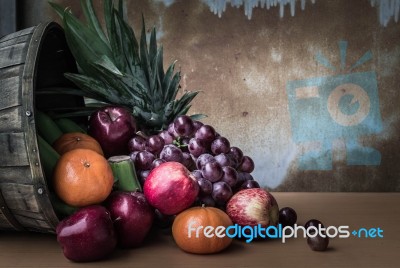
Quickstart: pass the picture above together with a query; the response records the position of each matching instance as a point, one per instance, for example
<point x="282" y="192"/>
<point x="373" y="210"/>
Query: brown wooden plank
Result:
<point x="10" y="119"/>
<point x="23" y="32"/>
<point x="10" y="92"/>
<point x="13" y="55"/>
<point x="13" y="150"/>
<point x="13" y="174"/>
<point x="20" y="197"/>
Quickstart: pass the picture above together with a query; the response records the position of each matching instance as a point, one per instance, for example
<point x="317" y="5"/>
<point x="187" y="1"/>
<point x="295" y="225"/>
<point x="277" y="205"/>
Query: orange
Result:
<point x="76" y="140"/>
<point x="188" y="230"/>
<point x="82" y="177"/>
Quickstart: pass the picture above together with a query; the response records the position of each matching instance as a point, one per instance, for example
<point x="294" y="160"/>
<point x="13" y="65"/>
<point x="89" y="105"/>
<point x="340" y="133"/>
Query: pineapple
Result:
<point x="116" y="69"/>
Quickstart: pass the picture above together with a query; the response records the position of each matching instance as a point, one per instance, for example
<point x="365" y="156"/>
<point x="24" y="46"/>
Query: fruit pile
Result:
<point x="139" y="161"/>
<point x="219" y="168"/>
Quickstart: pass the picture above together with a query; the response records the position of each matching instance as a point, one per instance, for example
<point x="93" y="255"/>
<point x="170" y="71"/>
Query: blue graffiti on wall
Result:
<point x="345" y="106"/>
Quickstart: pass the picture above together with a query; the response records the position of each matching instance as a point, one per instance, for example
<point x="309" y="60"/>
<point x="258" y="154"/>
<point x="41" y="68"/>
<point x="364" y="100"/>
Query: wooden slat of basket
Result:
<point x="15" y="155"/>
<point x="18" y="34"/>
<point x="11" y="96"/>
<point x="12" y="55"/>
<point x="10" y="174"/>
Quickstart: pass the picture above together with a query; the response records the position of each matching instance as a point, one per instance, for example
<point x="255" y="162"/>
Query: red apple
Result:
<point x="132" y="216"/>
<point x="87" y="235"/>
<point x="112" y="127"/>
<point x="252" y="207"/>
<point x="170" y="188"/>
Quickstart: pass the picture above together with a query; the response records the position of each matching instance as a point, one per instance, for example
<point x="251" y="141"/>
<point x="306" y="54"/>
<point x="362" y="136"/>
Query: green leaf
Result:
<point x="90" y="15"/>
<point x="144" y="58"/>
<point x="198" y="116"/>
<point x="173" y="88"/>
<point x="94" y="88"/>
<point x="84" y="43"/>
<point x="60" y="90"/>
<point x="108" y="8"/>
<point x="167" y="81"/>
<point x="153" y="46"/>
<point x="106" y="63"/>
<point x="184" y="101"/>
<point x="58" y="9"/>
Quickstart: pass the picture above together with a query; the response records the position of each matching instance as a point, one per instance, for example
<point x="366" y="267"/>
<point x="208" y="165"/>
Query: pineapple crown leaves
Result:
<point x="117" y="69"/>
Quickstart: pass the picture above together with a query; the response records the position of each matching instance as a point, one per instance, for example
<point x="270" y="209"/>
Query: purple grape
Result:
<point x="245" y="176"/>
<point x="212" y="171"/>
<point x="313" y="222"/>
<point x="188" y="161"/>
<point x="183" y="126"/>
<point x="157" y="162"/>
<point x="236" y="154"/>
<point x="205" y="185"/>
<point x="205" y="133"/>
<point x="143" y="175"/>
<point x="163" y="221"/>
<point x="171" y="130"/>
<point x="208" y="201"/>
<point x="184" y="144"/>
<point x="136" y="143"/>
<point x="203" y="159"/>
<point x="249" y="184"/>
<point x="144" y="160"/>
<point x="154" y="144"/>
<point x="240" y="180"/>
<point x="166" y="136"/>
<point x="197" y="125"/>
<point x="171" y="153"/>
<point x="287" y="216"/>
<point x="318" y="243"/>
<point x="221" y="192"/>
<point x="230" y="176"/>
<point x="132" y="155"/>
<point x="220" y="145"/>
<point x="196" y="147"/>
<point x="225" y="160"/>
<point x="197" y="174"/>
<point x="247" y="164"/>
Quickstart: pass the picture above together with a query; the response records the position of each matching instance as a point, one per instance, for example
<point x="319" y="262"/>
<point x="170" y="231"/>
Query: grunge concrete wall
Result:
<point x="313" y="98"/>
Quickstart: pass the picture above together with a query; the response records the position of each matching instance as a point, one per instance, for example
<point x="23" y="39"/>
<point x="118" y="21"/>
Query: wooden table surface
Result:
<point x="368" y="210"/>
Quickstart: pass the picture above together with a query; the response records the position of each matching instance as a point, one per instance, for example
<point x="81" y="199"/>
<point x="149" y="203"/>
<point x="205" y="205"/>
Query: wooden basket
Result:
<point x="30" y="60"/>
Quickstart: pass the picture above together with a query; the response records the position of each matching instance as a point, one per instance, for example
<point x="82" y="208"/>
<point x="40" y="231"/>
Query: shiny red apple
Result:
<point x="170" y="188"/>
<point x="252" y="207"/>
<point x="132" y="216"/>
<point x="112" y="127"/>
<point x="87" y="235"/>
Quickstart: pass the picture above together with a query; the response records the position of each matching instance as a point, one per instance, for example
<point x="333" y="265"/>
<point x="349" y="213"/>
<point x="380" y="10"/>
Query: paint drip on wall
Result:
<point x="387" y="9"/>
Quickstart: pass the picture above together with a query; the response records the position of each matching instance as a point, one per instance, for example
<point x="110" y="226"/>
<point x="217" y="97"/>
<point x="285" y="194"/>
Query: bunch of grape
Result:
<point x="219" y="168"/>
